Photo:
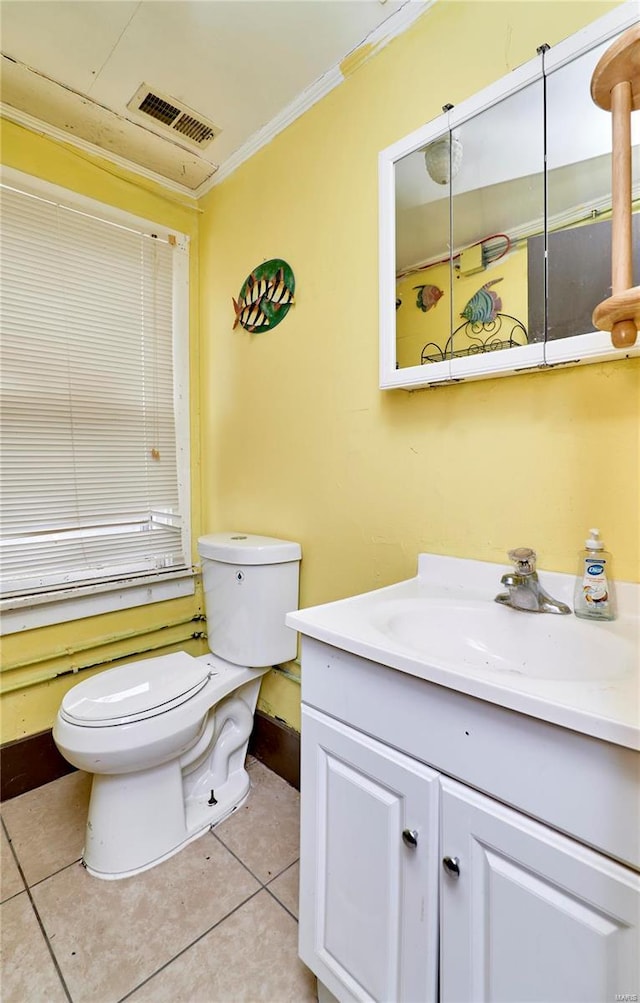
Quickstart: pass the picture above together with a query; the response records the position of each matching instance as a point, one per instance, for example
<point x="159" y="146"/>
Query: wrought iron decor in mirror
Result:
<point x="495" y="225"/>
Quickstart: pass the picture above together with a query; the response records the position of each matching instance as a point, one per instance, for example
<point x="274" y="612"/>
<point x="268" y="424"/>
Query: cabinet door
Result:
<point x="532" y="915"/>
<point x="368" y="866"/>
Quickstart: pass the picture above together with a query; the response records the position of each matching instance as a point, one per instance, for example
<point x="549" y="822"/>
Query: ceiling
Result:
<point x="225" y="75"/>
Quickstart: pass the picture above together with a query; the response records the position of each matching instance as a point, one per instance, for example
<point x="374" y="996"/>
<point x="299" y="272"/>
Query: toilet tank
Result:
<point x="250" y="582"/>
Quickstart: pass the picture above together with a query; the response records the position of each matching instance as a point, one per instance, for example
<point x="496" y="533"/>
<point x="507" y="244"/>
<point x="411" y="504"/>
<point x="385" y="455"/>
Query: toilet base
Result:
<point x="137" y="820"/>
<point x="110" y="858"/>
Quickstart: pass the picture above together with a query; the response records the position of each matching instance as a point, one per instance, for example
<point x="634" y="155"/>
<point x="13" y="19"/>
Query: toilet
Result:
<point x="166" y="738"/>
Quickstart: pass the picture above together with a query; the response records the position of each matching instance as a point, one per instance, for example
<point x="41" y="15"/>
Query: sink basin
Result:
<point x="479" y="635"/>
<point x="444" y="627"/>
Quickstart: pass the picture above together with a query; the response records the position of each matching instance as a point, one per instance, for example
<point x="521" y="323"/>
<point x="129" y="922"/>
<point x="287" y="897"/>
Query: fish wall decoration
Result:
<point x="265" y="297"/>
<point x="483" y="305"/>
<point x="428" y="296"/>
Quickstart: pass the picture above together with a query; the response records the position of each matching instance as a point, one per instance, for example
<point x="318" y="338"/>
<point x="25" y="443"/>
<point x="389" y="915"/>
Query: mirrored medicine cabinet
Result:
<point x="495" y="229"/>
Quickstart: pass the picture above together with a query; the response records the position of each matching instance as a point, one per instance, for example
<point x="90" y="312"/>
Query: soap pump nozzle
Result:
<point x="594" y="542"/>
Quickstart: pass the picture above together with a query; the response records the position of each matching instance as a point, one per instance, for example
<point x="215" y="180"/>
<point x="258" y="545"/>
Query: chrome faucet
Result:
<point x="524" y="590"/>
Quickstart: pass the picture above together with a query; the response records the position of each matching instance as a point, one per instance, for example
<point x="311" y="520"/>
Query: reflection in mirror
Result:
<point x="462" y="249"/>
<point x="579" y="199"/>
<point x="422" y="247"/>
<point x="497" y="208"/>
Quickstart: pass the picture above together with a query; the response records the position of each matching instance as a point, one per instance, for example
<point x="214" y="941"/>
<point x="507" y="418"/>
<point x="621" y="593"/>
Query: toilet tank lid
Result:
<point x="132" y="689"/>
<point x="247" y="548"/>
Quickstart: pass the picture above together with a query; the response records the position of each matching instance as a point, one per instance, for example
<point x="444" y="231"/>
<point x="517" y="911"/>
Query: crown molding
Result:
<point x="263" y="136"/>
<point x="53" y="132"/>
<point x="394" y="25"/>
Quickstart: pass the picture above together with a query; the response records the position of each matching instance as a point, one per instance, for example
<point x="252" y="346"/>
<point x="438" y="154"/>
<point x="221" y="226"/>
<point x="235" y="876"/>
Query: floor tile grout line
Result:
<point x="283" y="871"/>
<point x="264" y="884"/>
<point x="280" y="873"/>
<point x="37" y="915"/>
<point x="239" y="859"/>
<point x="246" y="866"/>
<point x="276" y="899"/>
<point x="10" y="898"/>
<point x="192" y="944"/>
<point x="15" y="859"/>
<point x="65" y="867"/>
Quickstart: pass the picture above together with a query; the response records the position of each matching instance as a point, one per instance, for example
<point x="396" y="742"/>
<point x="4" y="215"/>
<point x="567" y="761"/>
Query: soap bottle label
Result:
<point x="594" y="583"/>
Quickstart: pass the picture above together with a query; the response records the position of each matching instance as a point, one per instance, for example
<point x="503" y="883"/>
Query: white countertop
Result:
<point x="605" y="704"/>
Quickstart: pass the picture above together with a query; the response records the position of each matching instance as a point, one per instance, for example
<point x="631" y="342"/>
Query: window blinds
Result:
<point x="88" y="476"/>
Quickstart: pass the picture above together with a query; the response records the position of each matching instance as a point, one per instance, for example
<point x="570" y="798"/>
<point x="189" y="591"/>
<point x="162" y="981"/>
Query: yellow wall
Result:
<point x="301" y="443"/>
<point x="39" y="666"/>
<point x="295" y="439"/>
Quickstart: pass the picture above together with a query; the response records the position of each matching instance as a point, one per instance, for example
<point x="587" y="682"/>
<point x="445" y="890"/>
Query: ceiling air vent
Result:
<point x="173" y="116"/>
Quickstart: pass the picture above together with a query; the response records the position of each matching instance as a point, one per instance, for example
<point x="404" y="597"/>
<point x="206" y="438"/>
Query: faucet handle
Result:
<point x="524" y="560"/>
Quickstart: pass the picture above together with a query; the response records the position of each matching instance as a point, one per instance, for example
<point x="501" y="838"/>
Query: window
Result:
<point x="94" y="393"/>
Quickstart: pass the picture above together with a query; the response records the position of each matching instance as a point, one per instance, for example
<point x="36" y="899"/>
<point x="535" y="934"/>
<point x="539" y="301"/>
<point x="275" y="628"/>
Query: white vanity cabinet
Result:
<point x="419" y="883"/>
<point x="533" y="915"/>
<point x="369" y="878"/>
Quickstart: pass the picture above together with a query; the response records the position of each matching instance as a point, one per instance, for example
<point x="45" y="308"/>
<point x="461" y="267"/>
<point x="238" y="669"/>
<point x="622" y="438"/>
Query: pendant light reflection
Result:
<point x="441" y="156"/>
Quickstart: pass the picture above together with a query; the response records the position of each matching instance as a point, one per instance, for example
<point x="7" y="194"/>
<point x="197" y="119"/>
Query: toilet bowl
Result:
<point x="166" y="738"/>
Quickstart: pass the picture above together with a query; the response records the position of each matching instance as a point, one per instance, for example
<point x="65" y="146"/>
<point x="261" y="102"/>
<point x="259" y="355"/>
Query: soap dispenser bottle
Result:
<point x="593" y="598"/>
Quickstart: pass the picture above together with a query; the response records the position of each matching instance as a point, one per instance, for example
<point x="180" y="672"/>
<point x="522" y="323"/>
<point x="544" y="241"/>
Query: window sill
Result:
<point x="31" y="612"/>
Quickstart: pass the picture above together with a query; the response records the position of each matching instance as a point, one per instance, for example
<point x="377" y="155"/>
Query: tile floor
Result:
<point x="214" y="924"/>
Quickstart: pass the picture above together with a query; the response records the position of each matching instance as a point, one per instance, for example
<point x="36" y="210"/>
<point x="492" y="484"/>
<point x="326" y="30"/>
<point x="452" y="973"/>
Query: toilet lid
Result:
<point x="135" y="690"/>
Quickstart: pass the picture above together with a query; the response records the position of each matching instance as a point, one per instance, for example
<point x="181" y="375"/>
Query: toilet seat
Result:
<point x="135" y="691"/>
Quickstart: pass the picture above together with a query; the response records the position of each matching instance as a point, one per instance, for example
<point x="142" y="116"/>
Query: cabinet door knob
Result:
<point x="410" y="837"/>
<point x="452" y="866"/>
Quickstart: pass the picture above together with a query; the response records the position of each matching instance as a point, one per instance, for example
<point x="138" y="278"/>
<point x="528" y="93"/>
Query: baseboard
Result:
<point x="28" y="763"/>
<point x="277" y="746"/>
<point x="33" y="761"/>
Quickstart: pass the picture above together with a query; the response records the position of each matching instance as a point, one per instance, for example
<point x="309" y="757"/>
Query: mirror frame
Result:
<point x="579" y="349"/>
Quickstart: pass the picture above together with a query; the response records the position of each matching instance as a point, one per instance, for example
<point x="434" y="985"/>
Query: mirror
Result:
<point x="422" y="241"/>
<point x="478" y="277"/>
<point x="497" y="202"/>
<point x="422" y="266"/>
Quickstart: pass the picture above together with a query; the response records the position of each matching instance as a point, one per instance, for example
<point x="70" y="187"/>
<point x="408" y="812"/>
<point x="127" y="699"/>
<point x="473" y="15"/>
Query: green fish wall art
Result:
<point x="483" y="305"/>
<point x="265" y="297"/>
